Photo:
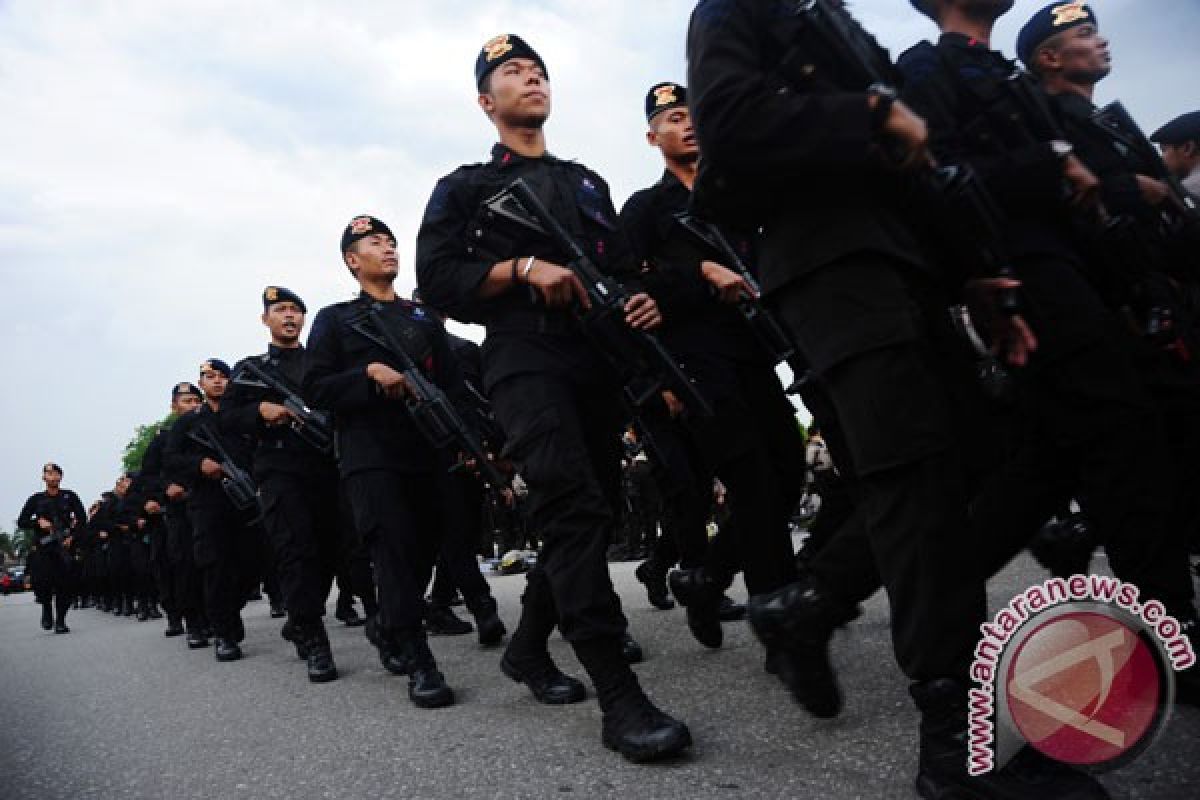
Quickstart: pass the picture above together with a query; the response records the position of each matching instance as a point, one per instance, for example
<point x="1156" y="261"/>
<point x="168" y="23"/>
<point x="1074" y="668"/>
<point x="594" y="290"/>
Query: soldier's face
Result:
<point x="285" y="321"/>
<point x="518" y="94"/>
<point x="51" y="477"/>
<point x="213" y="383"/>
<point x="673" y="134"/>
<point x="1181" y="159"/>
<point x="185" y="403"/>
<point x="373" y="258"/>
<point x="122" y="485"/>
<point x="1083" y="55"/>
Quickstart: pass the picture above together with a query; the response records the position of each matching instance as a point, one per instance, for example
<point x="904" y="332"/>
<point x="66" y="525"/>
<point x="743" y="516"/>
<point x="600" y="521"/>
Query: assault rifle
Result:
<point x="236" y="482"/>
<point x="1184" y="212"/>
<point x="762" y="323"/>
<point x="431" y="410"/>
<point x="645" y="367"/>
<point x="313" y="427"/>
<point x="828" y="30"/>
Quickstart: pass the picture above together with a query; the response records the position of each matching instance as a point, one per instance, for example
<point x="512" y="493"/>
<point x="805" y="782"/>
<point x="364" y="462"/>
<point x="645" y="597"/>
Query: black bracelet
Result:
<point x="516" y="262"/>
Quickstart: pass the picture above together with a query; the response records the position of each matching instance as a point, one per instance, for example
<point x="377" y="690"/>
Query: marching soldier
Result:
<point x="175" y="591"/>
<point x="403" y="498"/>
<point x="554" y="396"/>
<point x="211" y="464"/>
<point x="56" y="516"/>
<point x="752" y="444"/>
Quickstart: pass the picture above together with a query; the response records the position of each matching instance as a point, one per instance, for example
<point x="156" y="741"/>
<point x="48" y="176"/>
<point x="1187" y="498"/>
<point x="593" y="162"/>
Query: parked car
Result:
<point x="14" y="579"/>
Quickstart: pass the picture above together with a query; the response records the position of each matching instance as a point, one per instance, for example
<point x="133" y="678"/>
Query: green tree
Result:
<point x="131" y="460"/>
<point x="15" y="545"/>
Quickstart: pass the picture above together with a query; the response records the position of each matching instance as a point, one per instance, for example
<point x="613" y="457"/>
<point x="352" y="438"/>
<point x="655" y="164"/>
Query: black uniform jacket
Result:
<point x="694" y="321"/>
<point x="184" y="453"/>
<point x="373" y="431"/>
<point x="278" y="448"/>
<point x="458" y="244"/>
<point x="958" y="87"/>
<point x="64" y="510"/>
<point x="798" y="158"/>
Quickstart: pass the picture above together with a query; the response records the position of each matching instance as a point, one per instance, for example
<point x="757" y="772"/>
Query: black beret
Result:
<point x="663" y="97"/>
<point x="186" y="388"/>
<point x="1180" y="130"/>
<point x="278" y="294"/>
<point x="924" y="6"/>
<point x="1051" y="21"/>
<point x="216" y="365"/>
<point x="50" y="465"/>
<point x="499" y="49"/>
<point x="360" y="228"/>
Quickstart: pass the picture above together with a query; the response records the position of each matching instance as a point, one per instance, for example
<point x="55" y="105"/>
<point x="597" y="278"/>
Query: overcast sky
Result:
<point x="161" y="162"/>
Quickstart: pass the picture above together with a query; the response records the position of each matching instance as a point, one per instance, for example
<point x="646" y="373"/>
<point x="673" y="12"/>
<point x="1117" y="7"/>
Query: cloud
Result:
<point x="161" y="162"/>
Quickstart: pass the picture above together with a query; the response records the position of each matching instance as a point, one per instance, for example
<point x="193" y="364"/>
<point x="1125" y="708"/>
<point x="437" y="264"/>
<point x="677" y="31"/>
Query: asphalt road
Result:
<point x="115" y="710"/>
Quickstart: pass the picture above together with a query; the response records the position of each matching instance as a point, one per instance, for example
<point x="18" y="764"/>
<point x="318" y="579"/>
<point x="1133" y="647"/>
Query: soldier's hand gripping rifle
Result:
<point x="431" y="410"/>
<point x="313" y="427"/>
<point x="1183" y="213"/>
<point x="766" y="329"/>
<point x="645" y="367"/>
<point x="236" y="482"/>
<point x="829" y="31"/>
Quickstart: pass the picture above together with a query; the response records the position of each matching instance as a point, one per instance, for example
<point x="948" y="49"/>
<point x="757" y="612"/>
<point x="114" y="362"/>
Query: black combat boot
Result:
<point x="127" y="606"/>
<point x="345" y="611"/>
<point x="143" y="610"/>
<point x="294" y="633"/>
<point x="227" y="649"/>
<point x="174" y="625"/>
<point x="526" y="659"/>
<point x="440" y="620"/>
<point x="390" y="655"/>
<point x="796" y="624"/>
<point x="197" y="636"/>
<point x="152" y="608"/>
<point x="487" y="620"/>
<point x="632" y="725"/>
<point x="426" y="685"/>
<point x="60" y="615"/>
<point x="701" y="596"/>
<point x="654" y="578"/>
<point x="545" y="680"/>
<point x="730" y="611"/>
<point x="321" y="668"/>
<point x="47" y="615"/>
<point x="942" y="768"/>
<point x="631" y="650"/>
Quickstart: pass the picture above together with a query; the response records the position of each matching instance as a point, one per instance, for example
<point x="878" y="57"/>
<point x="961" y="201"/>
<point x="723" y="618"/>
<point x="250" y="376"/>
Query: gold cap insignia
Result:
<point x="272" y="294"/>
<point x="497" y="46"/>
<point x="1069" y="12"/>
<point x="360" y="225"/>
<point x="206" y="367"/>
<point x="181" y="388"/>
<point x="665" y="95"/>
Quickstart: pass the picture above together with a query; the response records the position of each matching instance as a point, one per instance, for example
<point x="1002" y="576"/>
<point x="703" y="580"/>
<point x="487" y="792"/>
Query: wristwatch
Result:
<point x="1062" y="149"/>
<point x="883" y="105"/>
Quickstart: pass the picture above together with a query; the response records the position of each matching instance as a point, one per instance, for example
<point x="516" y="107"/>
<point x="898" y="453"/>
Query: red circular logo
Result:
<point x="1084" y="688"/>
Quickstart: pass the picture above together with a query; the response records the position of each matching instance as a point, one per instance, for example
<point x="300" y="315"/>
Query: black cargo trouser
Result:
<point x="302" y="518"/>
<point x="227" y="555"/>
<point x="872" y="333"/>
<point x="564" y="438"/>
<point x="753" y="445"/>
<point x="402" y="518"/>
